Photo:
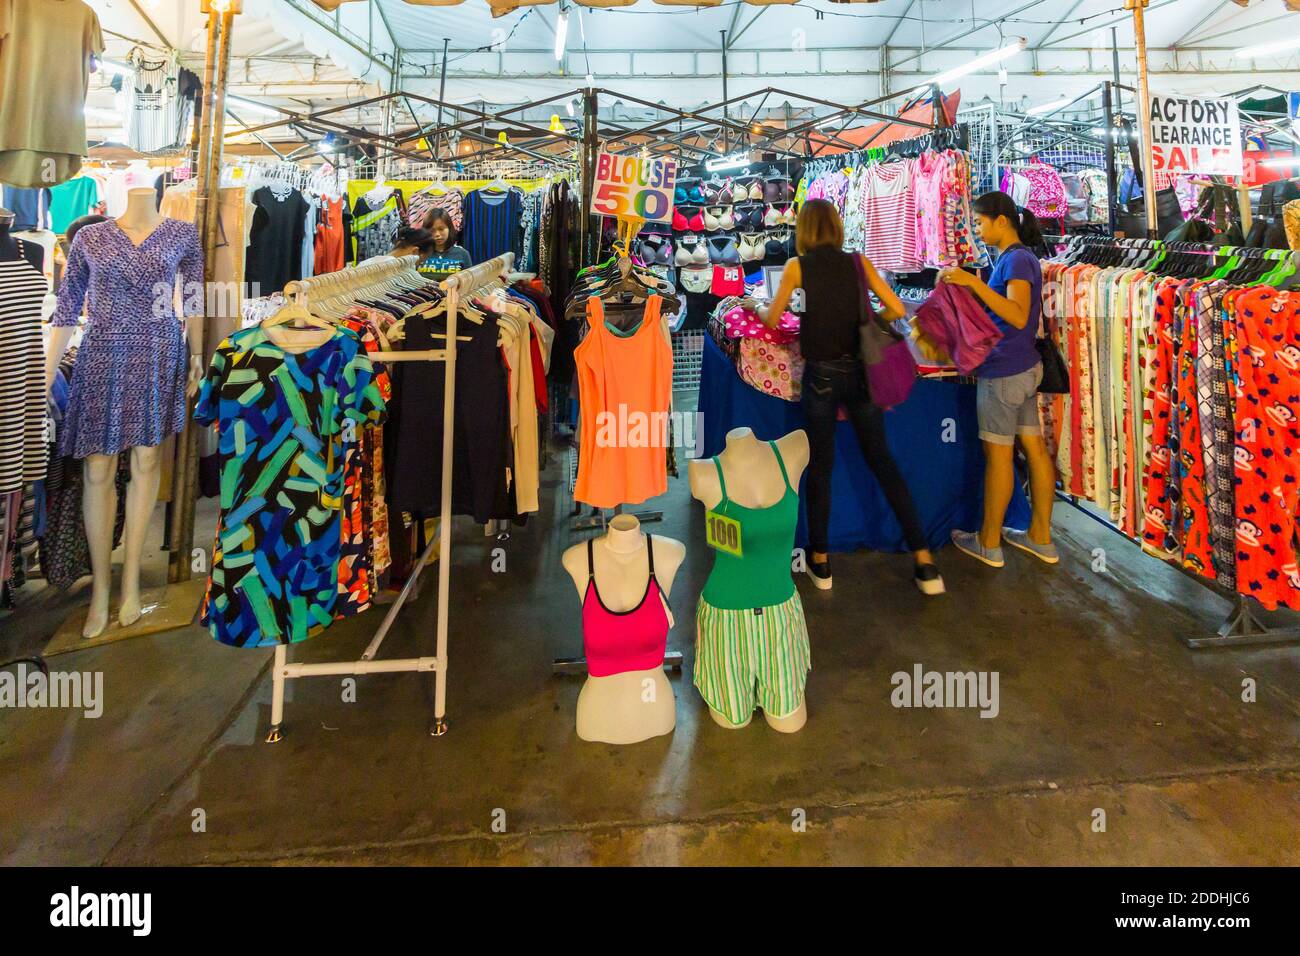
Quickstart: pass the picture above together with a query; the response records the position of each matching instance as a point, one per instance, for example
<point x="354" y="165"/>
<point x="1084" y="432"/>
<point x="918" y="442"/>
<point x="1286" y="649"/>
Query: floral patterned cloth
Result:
<point x="772" y="368"/>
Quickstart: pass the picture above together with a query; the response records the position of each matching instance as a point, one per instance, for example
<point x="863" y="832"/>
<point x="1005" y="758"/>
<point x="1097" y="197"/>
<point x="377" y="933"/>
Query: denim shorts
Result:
<point x="1008" y="406"/>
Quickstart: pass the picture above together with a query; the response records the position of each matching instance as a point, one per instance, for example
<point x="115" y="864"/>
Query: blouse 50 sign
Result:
<point x="634" y="186"/>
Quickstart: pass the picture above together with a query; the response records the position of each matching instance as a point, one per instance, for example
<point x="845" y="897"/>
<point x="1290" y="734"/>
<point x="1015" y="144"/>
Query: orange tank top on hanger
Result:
<point x="625" y="386"/>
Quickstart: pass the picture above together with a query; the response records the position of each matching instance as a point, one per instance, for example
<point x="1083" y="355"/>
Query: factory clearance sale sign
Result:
<point x="634" y="186"/>
<point x="1195" y="135"/>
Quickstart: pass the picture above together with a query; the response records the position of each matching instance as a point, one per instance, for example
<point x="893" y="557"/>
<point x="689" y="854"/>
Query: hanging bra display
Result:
<point x="753" y="247"/>
<point x="723" y="250"/>
<point x="691" y="250"/>
<point x="656" y="250"/>
<point x="780" y="217"/>
<point x="719" y="218"/>
<point x="686" y="218"/>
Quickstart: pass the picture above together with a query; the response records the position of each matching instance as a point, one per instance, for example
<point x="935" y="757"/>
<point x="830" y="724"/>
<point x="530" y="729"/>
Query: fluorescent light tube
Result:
<point x="233" y="101"/>
<point x="1057" y="104"/>
<point x="561" y="33"/>
<point x="1265" y="49"/>
<point x="981" y="61"/>
<point x="734" y="161"/>
<point x="1284" y="161"/>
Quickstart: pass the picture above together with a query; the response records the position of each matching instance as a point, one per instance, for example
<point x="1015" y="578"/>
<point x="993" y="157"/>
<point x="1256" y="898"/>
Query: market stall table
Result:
<point x="933" y="435"/>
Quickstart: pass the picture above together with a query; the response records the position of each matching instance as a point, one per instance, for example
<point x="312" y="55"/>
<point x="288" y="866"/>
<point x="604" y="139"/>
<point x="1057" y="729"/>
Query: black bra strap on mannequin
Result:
<point x="591" y="560"/>
<point x="650" y="551"/>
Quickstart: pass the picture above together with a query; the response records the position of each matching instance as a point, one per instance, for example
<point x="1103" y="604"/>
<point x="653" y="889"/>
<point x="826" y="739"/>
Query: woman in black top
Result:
<point x="822" y="284"/>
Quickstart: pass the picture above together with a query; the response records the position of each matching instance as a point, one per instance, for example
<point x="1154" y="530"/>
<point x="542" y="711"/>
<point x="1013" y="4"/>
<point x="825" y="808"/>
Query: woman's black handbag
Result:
<point x="1056" y="377"/>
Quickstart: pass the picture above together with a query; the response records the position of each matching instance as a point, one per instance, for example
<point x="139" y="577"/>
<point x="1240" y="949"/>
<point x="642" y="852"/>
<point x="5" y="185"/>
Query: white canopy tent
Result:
<point x="297" y="55"/>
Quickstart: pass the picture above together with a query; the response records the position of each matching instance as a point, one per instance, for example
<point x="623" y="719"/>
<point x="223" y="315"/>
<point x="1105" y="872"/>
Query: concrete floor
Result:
<point x="1102" y="707"/>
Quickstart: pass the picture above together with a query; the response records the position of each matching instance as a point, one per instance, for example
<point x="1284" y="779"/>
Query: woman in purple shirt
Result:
<point x="1007" y="390"/>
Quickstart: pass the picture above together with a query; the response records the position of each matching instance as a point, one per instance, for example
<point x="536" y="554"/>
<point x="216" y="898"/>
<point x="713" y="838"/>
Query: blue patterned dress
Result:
<point x="128" y="383"/>
<point x="281" y="421"/>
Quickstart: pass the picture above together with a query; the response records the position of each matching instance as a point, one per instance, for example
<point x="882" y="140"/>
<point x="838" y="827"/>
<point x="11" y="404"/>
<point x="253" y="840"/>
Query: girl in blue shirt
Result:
<point x="1008" y="380"/>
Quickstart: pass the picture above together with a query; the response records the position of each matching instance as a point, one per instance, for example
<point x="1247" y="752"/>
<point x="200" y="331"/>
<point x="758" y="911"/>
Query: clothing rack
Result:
<point x="1242" y="627"/>
<point x="255" y="173"/>
<point x="508" y="169"/>
<point x="362" y="277"/>
<point x="947" y="137"/>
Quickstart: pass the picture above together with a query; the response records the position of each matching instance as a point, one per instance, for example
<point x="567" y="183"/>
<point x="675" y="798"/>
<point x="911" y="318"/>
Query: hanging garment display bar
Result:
<point x="457" y="287"/>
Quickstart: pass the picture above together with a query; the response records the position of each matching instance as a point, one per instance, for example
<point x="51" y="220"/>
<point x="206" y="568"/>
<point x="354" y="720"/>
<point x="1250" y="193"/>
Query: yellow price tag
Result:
<point x="723" y="533"/>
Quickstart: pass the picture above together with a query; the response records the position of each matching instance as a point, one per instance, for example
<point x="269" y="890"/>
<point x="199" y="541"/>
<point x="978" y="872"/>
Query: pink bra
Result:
<point x="619" y="641"/>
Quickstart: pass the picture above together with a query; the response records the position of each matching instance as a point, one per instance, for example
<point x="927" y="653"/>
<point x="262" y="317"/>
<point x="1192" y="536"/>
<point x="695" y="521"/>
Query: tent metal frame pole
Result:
<point x="1112" y="172"/>
<point x="442" y="96"/>
<point x="588" y="247"/>
<point x="1144" y="116"/>
<point x="207" y="205"/>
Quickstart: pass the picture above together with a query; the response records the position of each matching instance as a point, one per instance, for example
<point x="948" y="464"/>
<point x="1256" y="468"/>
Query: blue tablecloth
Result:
<point x="946" y="476"/>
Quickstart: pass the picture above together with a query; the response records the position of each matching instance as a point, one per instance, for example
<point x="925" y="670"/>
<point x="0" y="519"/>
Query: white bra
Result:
<point x="778" y="217"/>
<point x="696" y="253"/>
<point x="753" y="246"/>
<point x="721" y="219"/>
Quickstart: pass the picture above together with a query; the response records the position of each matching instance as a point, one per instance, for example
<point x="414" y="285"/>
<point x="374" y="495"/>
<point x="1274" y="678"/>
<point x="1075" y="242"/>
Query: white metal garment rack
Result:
<point x="364" y="276"/>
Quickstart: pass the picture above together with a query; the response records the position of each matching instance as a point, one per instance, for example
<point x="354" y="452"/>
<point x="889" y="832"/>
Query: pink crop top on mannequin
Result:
<point x="619" y="641"/>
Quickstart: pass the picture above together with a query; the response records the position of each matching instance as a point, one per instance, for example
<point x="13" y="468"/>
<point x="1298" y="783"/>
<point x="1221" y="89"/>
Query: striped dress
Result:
<point x="23" y="447"/>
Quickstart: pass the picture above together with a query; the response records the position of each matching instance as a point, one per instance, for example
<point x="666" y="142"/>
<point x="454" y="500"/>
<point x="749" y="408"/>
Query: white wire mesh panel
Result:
<point x="688" y="357"/>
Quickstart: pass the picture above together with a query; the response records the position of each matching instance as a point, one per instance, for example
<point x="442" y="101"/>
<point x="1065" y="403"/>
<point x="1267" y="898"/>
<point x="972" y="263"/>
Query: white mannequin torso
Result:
<point x="634" y="705"/>
<point x="141" y="217"/>
<point x="753" y="474"/>
<point x="754" y="480"/>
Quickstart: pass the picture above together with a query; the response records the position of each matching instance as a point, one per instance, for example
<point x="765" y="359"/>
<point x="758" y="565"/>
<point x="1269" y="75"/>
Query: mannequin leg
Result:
<point x="722" y="721"/>
<point x="141" y="496"/>
<point x="99" y="507"/>
<point x="791" y="722"/>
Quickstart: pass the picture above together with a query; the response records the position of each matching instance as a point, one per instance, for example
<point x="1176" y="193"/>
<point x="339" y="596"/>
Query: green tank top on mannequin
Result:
<point x="761" y="577"/>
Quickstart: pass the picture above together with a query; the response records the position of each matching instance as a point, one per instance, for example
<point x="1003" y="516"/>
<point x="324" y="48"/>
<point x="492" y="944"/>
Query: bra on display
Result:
<point x="691" y="251"/>
<point x="696" y="278"/>
<point x="656" y="250"/>
<point x="749" y="217"/>
<point x="779" y="217"/>
<point x="719" y="218"/>
<point x="753" y="247"/>
<point x="688" y="219"/>
<point x="619" y="641"/>
<point x="688" y="193"/>
<point x="723" y="250"/>
<point x="716" y="191"/>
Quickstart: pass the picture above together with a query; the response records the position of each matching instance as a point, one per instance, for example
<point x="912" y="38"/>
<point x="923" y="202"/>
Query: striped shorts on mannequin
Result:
<point x="752" y="658"/>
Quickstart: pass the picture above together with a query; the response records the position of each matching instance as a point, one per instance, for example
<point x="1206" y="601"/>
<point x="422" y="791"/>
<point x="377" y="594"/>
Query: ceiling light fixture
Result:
<point x="1057" y="104"/>
<point x="734" y="161"/>
<point x="1267" y="49"/>
<point x="232" y="100"/>
<point x="561" y="33"/>
<point x="981" y="61"/>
